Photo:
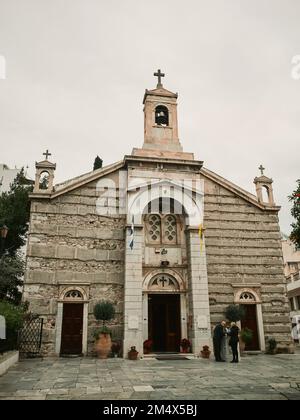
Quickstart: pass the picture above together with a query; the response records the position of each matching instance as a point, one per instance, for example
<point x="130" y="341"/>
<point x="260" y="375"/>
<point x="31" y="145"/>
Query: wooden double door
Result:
<point x="164" y="322"/>
<point x="72" y="327"/>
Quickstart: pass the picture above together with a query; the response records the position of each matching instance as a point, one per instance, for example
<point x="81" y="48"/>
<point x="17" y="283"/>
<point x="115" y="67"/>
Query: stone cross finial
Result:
<point x="47" y="154"/>
<point x="261" y="168"/>
<point x="159" y="75"/>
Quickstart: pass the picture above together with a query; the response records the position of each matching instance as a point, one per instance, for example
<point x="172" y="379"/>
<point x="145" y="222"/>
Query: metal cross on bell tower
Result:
<point x="47" y="154"/>
<point x="159" y="75"/>
<point x="261" y="168"/>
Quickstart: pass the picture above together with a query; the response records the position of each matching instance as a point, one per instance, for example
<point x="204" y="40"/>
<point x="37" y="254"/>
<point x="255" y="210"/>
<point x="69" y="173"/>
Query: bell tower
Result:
<point x="160" y="124"/>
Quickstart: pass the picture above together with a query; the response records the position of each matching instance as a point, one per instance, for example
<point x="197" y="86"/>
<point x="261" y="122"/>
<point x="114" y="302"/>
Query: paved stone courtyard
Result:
<point x="257" y="377"/>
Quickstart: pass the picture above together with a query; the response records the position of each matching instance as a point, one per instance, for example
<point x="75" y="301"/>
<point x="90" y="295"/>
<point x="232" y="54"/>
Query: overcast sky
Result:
<point x="77" y="71"/>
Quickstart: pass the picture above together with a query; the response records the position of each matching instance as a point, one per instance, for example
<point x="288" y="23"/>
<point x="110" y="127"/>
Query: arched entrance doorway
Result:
<point x="71" y="332"/>
<point x="164" y="308"/>
<point x="251" y="303"/>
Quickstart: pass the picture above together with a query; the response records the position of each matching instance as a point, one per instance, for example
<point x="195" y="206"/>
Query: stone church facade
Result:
<point x="170" y="243"/>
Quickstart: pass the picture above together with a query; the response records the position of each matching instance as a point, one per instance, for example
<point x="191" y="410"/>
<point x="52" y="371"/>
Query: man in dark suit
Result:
<point x="219" y="333"/>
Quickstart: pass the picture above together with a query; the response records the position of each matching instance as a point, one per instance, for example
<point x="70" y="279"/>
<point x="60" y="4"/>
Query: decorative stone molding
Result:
<point x="178" y="282"/>
<point x="191" y="200"/>
<point x="246" y="296"/>
<point x="73" y="293"/>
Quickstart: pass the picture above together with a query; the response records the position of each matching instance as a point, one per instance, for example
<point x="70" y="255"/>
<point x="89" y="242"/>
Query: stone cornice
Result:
<point x="159" y="92"/>
<point x="246" y="285"/>
<point x="136" y="226"/>
<point x="180" y="162"/>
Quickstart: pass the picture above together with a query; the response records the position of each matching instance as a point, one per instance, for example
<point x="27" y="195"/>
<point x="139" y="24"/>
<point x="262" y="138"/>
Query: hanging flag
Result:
<point x="201" y="232"/>
<point x="131" y="237"/>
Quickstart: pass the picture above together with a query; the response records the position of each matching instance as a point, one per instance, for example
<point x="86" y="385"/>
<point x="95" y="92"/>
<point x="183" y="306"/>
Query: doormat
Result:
<point x="171" y="358"/>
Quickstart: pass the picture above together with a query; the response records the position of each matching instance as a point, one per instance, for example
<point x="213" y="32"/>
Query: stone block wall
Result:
<point x="71" y="244"/>
<point x="243" y="247"/>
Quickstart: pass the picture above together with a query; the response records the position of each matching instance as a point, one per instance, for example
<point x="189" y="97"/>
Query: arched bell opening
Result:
<point x="44" y="180"/>
<point x="162" y="115"/>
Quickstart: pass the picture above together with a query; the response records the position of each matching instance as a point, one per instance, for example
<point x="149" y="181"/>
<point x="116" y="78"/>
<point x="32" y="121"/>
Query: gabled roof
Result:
<point x="160" y="92"/>
<point x="235" y="189"/>
<point x="84" y="179"/>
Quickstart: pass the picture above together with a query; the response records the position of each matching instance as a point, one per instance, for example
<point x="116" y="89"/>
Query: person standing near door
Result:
<point x="219" y="334"/>
<point x="233" y="341"/>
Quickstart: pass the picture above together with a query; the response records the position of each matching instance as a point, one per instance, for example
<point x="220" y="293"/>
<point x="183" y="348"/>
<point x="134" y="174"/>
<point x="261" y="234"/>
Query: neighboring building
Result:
<point x="168" y="241"/>
<point x="291" y="258"/>
<point x="7" y="177"/>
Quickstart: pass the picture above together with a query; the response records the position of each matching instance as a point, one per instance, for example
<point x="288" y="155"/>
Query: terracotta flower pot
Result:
<point x="242" y="346"/>
<point x="133" y="354"/>
<point x="103" y="346"/>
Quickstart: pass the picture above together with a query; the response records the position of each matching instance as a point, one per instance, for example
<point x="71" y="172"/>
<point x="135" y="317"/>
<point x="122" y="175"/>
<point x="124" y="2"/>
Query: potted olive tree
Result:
<point x="103" y="311"/>
<point x="272" y="345"/>
<point x="246" y="336"/>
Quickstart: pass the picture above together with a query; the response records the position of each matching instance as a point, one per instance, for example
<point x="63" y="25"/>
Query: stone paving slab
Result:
<point x="257" y="377"/>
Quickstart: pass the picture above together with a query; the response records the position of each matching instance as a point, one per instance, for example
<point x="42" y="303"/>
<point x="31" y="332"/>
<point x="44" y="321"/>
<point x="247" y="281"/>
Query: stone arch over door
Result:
<point x="191" y="201"/>
<point x="251" y="297"/>
<point x="168" y="272"/>
<point x="72" y="295"/>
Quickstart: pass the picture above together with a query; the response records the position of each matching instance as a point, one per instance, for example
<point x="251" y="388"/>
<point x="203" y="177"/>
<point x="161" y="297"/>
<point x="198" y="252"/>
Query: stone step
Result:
<point x="167" y="355"/>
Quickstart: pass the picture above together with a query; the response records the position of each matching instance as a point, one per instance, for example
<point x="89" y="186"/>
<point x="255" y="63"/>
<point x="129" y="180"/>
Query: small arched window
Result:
<point x="161" y="115"/>
<point x="73" y="295"/>
<point x="247" y="297"/>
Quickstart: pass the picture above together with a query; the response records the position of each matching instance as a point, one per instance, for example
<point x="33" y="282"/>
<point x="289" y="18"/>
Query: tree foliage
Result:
<point x="104" y="311"/>
<point x="295" y="211"/>
<point x="234" y="313"/>
<point x="246" y="335"/>
<point x="14" y="315"/>
<point x="98" y="163"/>
<point x="11" y="278"/>
<point x="15" y="211"/>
